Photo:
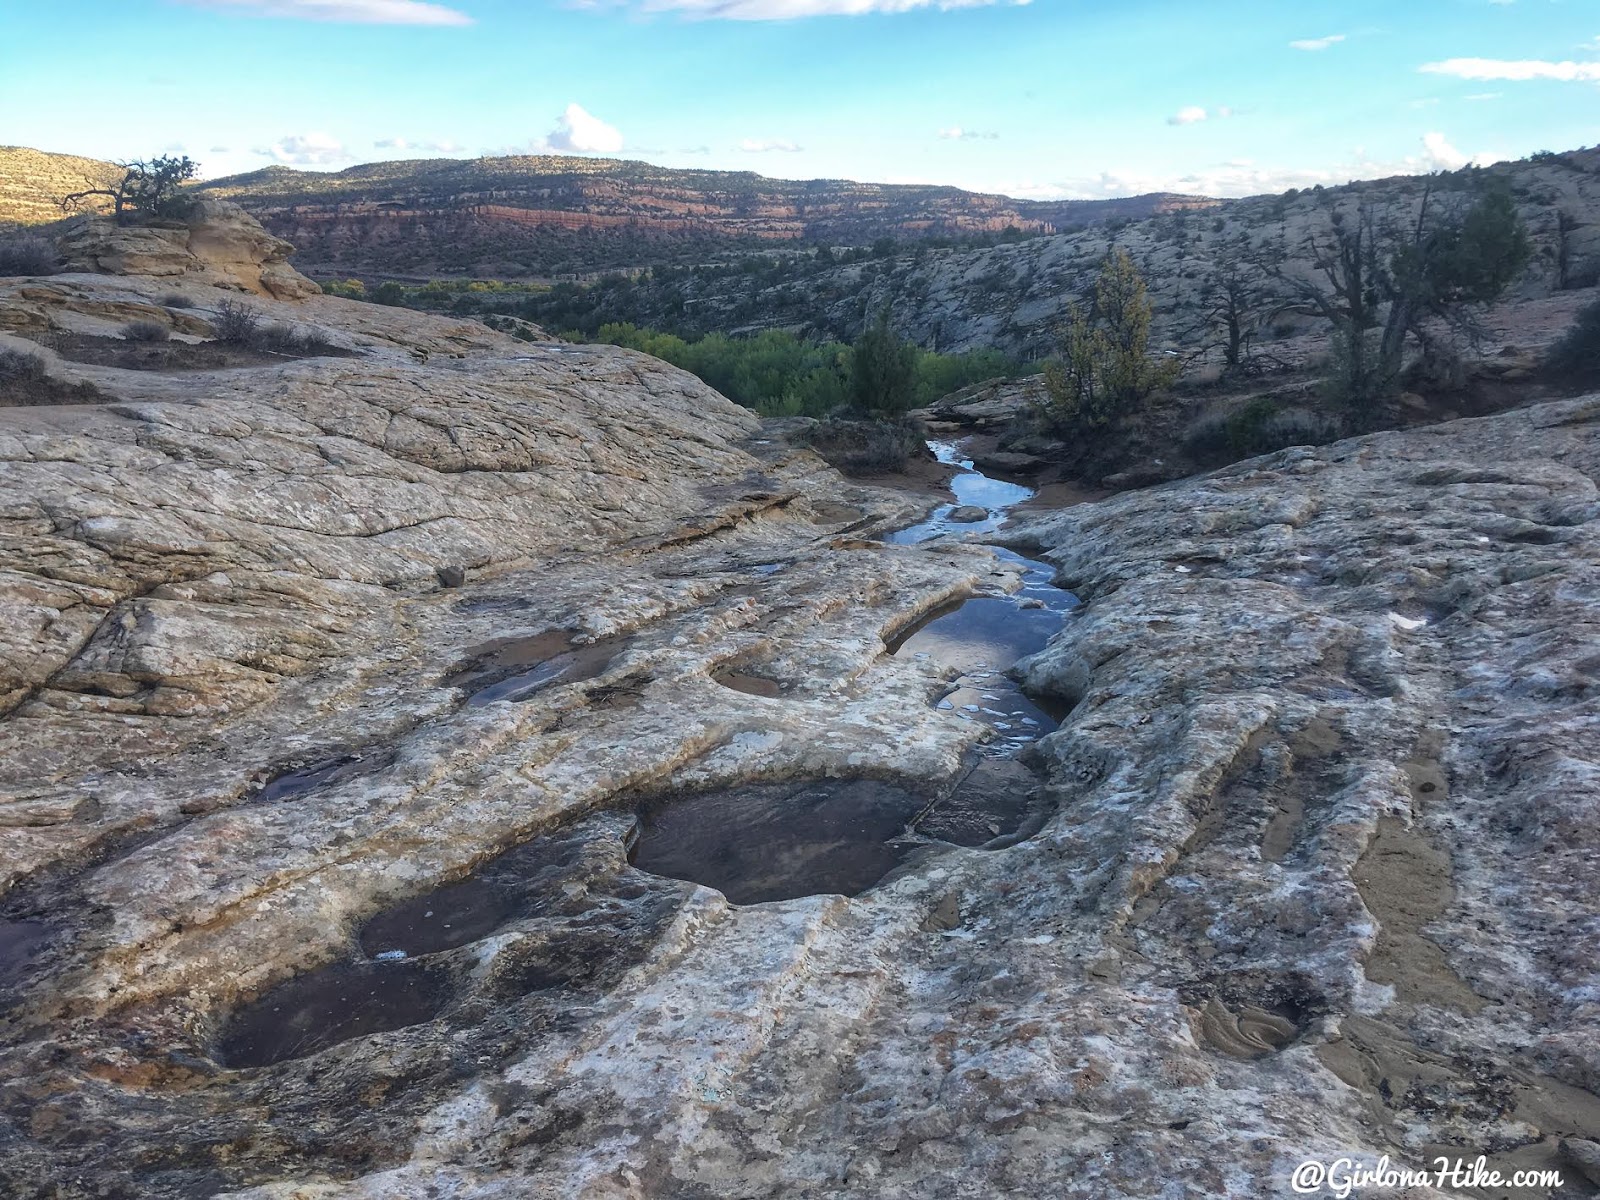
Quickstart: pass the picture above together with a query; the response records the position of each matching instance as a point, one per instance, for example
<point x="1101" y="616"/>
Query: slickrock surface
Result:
<point x="217" y="243"/>
<point x="1318" y="878"/>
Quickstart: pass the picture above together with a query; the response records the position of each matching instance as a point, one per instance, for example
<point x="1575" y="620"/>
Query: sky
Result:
<point x="1043" y="99"/>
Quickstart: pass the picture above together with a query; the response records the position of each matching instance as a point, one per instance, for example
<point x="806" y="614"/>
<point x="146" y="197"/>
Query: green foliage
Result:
<point x="1576" y="357"/>
<point x="389" y="292"/>
<point x="154" y="187"/>
<point x="883" y="370"/>
<point x="779" y="374"/>
<point x="350" y="289"/>
<point x="1383" y="278"/>
<point x="1259" y="427"/>
<point x="149" y="188"/>
<point x="1104" y="368"/>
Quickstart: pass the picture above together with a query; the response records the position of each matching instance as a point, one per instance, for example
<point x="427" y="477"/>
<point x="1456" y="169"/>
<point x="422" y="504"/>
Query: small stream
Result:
<point x="982" y="637"/>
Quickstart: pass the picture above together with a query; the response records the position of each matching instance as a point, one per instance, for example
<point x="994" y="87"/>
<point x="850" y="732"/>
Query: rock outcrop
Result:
<point x="317" y="870"/>
<point x="217" y="244"/>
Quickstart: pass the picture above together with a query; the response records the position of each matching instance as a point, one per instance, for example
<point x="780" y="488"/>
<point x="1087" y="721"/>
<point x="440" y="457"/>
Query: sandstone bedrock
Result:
<point x="1317" y="877"/>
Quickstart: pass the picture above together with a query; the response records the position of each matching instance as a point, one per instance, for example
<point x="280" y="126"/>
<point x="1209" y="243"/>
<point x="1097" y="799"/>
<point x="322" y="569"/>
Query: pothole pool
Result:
<point x="983" y="637"/>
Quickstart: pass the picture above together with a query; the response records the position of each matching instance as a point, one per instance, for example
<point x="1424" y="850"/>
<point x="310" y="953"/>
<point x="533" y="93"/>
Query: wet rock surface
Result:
<point x="1305" y="870"/>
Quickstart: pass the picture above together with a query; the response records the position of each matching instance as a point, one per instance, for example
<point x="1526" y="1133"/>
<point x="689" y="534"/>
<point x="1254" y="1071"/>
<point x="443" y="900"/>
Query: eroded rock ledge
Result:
<point x="1317" y="878"/>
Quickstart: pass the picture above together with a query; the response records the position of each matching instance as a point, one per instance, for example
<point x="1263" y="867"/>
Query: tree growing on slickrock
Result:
<point x="1103" y="367"/>
<point x="1385" y="277"/>
<point x="150" y="188"/>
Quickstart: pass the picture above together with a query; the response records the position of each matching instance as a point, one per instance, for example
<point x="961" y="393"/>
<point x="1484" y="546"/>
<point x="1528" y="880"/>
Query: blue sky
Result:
<point x="1052" y="98"/>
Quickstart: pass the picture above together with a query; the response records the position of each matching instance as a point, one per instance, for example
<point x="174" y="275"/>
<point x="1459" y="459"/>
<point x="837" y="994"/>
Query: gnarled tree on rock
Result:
<point x="1384" y="276"/>
<point x="149" y="187"/>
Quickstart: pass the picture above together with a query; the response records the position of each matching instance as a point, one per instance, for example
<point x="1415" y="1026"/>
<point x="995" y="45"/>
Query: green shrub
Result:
<point x="1576" y="357"/>
<point x="145" y="331"/>
<point x="1259" y="427"/>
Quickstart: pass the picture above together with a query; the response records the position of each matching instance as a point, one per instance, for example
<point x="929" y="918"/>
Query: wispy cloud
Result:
<point x="1484" y="96"/>
<point x="789" y="10"/>
<point x="306" y="150"/>
<point x="769" y="146"/>
<point x="958" y="133"/>
<point x="1194" y="114"/>
<point x="1321" y="43"/>
<point x="445" y="147"/>
<point x="1518" y="70"/>
<point x="354" y="12"/>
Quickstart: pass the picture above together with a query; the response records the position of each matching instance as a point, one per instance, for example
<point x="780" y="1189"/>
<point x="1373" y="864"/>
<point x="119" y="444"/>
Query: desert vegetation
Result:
<point x="1575" y="359"/>
<point x="778" y="373"/>
<point x="24" y="255"/>
<point x="24" y="380"/>
<point x="147" y="188"/>
<point x="1104" y="367"/>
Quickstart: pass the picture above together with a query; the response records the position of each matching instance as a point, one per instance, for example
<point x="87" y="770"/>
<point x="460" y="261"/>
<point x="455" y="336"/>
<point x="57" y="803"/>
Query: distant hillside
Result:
<point x="33" y="181"/>
<point x="550" y="215"/>
<point x="1011" y="297"/>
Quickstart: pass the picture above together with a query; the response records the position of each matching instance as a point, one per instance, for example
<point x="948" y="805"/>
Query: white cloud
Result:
<point x="1484" y="96"/>
<point x="1237" y="177"/>
<point x="1442" y="154"/>
<point x="769" y="146"/>
<point x="957" y="133"/>
<point x="581" y="132"/>
<point x="355" y="12"/>
<point x="445" y="147"/>
<point x="1518" y="70"/>
<point x="1194" y="114"/>
<point x="788" y="10"/>
<point x="695" y="150"/>
<point x="1321" y="43"/>
<point x="306" y="150"/>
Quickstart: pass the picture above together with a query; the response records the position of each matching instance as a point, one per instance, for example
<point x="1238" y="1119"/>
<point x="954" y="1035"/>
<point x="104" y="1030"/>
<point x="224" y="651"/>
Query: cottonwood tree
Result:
<point x="148" y="187"/>
<point x="1103" y="366"/>
<point x="1382" y="277"/>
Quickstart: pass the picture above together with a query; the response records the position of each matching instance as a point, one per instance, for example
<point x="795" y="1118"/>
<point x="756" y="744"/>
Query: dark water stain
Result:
<point x="312" y="1012"/>
<point x="749" y="683"/>
<point x="767" y="842"/>
<point x="998" y="803"/>
<point x="442" y="920"/>
<point x="764" y="842"/>
<point x="515" y="668"/>
<point x="20" y="944"/>
<point x="336" y="769"/>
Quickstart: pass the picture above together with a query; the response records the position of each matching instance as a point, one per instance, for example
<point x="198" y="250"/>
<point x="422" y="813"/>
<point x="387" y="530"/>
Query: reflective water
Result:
<point x="984" y="636"/>
<point x="970" y="486"/>
<point x="516" y="668"/>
